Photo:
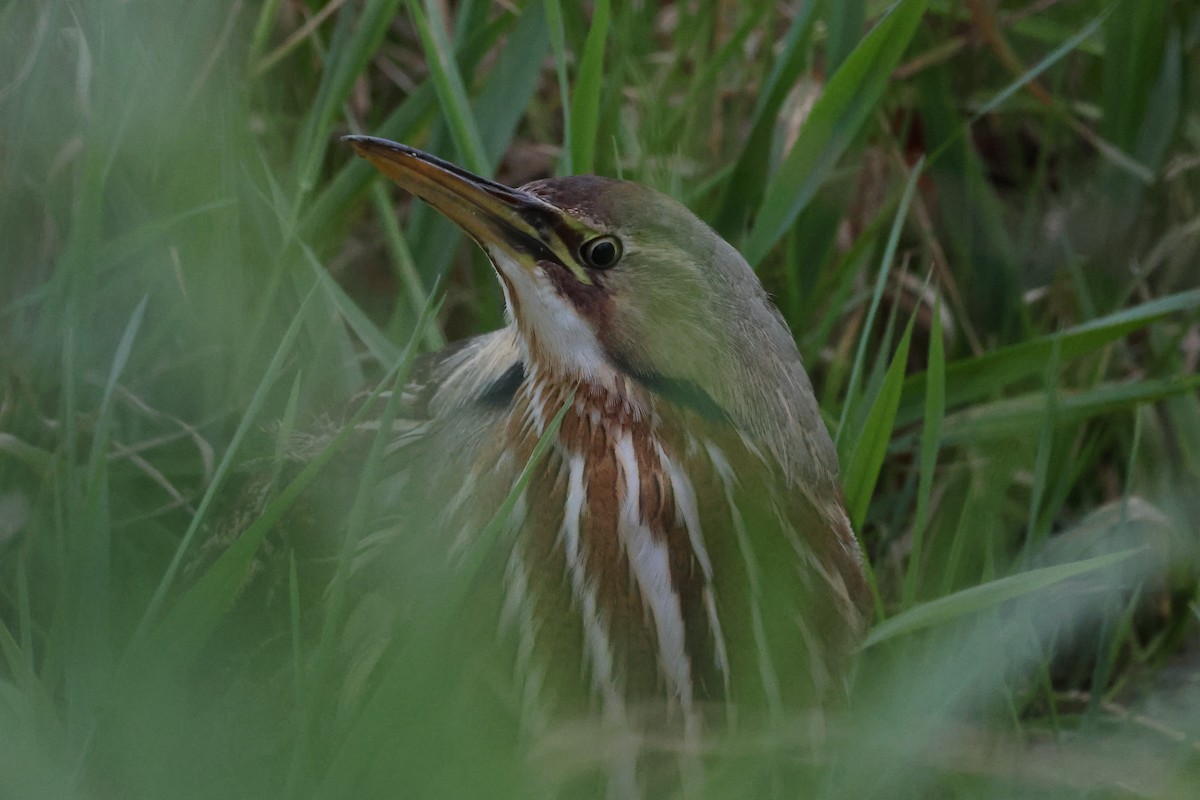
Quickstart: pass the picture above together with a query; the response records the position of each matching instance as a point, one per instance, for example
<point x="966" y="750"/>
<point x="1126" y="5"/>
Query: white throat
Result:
<point x="555" y="334"/>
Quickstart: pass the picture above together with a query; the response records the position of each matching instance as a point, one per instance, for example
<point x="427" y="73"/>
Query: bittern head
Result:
<point x="608" y="281"/>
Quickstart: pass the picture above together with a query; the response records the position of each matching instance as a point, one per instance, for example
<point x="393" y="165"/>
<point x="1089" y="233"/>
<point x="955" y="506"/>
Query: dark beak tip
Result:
<point x="361" y="144"/>
<point x="368" y="146"/>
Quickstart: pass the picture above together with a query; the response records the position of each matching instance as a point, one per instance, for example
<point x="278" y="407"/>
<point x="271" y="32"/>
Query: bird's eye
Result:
<point x="603" y="252"/>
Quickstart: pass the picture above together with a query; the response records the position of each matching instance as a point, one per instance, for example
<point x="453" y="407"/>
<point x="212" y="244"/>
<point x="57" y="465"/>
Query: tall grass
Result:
<point x="979" y="221"/>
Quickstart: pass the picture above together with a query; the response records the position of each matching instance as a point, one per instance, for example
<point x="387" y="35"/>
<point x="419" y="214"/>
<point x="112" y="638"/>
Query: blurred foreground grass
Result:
<point x="980" y="219"/>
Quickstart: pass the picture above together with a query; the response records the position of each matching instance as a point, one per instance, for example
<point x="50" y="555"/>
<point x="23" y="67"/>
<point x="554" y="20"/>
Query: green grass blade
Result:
<point x="558" y="42"/>
<point x="89" y="551"/>
<point x="383" y="350"/>
<point x="404" y="123"/>
<point x="296" y="39"/>
<point x="356" y="173"/>
<point x="251" y="414"/>
<point x="354" y="43"/>
<point x="1045" y="445"/>
<point x="450" y="88"/>
<point x="1114" y="154"/>
<point x="836" y="120"/>
<point x="845" y="24"/>
<point x="120" y="359"/>
<point x="585" y="102"/>
<point x="287" y="425"/>
<point x="868" y="329"/>
<point x="974" y="378"/>
<point x="707" y="84"/>
<point x="358" y="746"/>
<point x="262" y="29"/>
<point x="512" y="82"/>
<point x="1131" y="31"/>
<point x="743" y="189"/>
<point x="196" y="614"/>
<point x="866" y="460"/>
<point x="1162" y="106"/>
<point x="476" y="555"/>
<point x="1014" y="417"/>
<point x="506" y="91"/>
<point x="325" y="654"/>
<point x="294" y="607"/>
<point x="931" y="436"/>
<point x="1056" y="55"/>
<point x="987" y="595"/>
<point x="21" y="668"/>
<point x="406" y="270"/>
<point x="198" y="610"/>
<point x="121" y="248"/>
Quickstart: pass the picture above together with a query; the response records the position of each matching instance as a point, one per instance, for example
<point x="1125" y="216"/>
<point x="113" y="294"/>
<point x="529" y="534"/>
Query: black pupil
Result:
<point x="603" y="254"/>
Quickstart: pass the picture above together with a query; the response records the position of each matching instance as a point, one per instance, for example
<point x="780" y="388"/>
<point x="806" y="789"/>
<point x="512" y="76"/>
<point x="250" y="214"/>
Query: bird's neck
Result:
<point x="607" y="506"/>
<point x="603" y="395"/>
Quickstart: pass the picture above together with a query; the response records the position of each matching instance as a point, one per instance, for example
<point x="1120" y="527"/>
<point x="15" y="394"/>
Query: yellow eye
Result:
<point x="603" y="252"/>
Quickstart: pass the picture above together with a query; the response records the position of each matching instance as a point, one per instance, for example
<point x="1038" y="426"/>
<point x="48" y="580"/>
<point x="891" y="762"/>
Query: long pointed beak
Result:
<point x="494" y="215"/>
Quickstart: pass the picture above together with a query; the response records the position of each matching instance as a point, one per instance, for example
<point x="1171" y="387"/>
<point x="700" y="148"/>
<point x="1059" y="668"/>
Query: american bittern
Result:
<point x="685" y="540"/>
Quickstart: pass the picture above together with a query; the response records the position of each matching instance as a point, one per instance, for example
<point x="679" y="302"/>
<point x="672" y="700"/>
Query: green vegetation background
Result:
<point x="979" y="218"/>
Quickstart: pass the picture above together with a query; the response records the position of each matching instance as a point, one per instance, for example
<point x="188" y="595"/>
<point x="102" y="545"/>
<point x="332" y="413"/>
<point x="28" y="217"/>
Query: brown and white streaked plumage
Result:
<point x="684" y="544"/>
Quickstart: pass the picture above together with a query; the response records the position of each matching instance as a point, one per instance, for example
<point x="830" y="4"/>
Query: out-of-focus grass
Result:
<point x="981" y="219"/>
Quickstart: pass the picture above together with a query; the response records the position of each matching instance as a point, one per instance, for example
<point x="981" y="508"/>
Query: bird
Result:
<point x="682" y="545"/>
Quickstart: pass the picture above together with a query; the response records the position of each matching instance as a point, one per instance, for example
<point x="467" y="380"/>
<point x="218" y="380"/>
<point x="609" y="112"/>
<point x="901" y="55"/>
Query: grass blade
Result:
<point x="931" y="437"/>
<point x="837" y="118"/>
<point x="889" y="256"/>
<point x="979" y="377"/>
<point x="987" y="595"/>
<point x="354" y="42"/>
<point x="743" y="189"/>
<point x="1013" y="417"/>
<point x="1045" y="445"/>
<point x="558" y="42"/>
<point x="450" y="88"/>
<point x="1037" y="69"/>
<point x="256" y="403"/>
<point x="383" y="350"/>
<point x="845" y="25"/>
<point x="406" y="269"/>
<point x="315" y="697"/>
<point x="585" y="103"/>
<point x="358" y="746"/>
<point x="120" y="359"/>
<point x="473" y="560"/>
<point x="866" y="460"/>
<point x="511" y="83"/>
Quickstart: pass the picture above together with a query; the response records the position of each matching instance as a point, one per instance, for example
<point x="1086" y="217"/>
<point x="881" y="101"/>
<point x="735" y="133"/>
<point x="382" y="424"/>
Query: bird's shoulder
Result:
<point x="481" y="373"/>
